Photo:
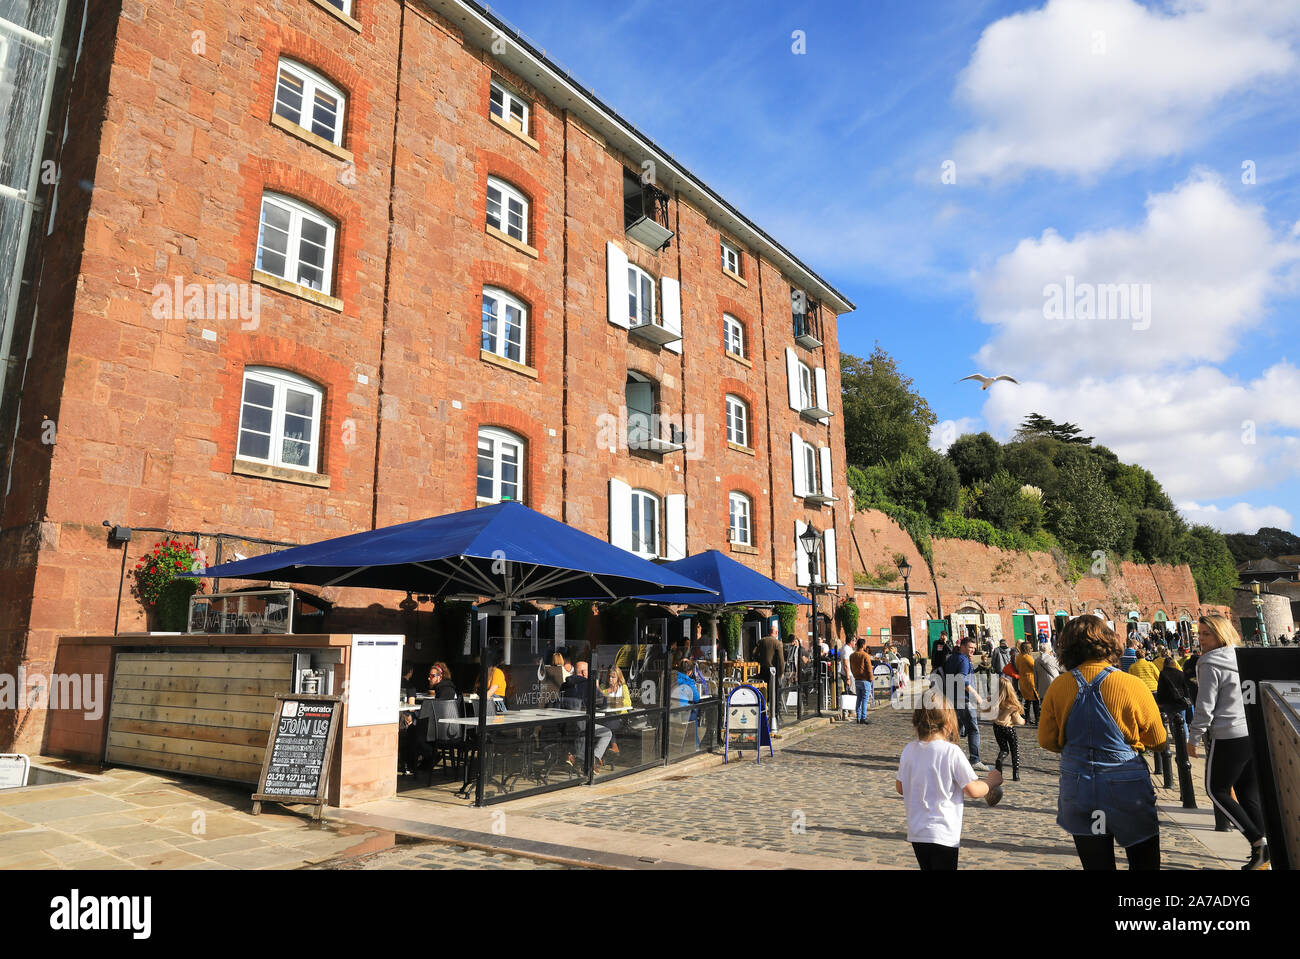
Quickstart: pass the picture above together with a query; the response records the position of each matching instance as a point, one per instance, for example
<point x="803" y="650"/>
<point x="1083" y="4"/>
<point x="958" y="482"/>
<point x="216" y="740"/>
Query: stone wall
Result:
<point x="973" y="577"/>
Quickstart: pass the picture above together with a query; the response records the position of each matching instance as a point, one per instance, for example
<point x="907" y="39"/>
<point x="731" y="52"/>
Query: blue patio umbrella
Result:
<point x="506" y="552"/>
<point x="734" y="584"/>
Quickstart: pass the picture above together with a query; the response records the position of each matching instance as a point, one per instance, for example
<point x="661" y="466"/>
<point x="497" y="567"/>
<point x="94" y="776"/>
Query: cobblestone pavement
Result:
<point x="832" y="794"/>
<point x="436" y="855"/>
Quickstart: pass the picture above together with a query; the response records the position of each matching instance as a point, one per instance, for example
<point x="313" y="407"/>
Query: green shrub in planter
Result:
<point x="847" y="615"/>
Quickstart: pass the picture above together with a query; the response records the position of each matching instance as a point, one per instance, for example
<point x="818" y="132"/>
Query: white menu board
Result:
<point x="374" y="686"/>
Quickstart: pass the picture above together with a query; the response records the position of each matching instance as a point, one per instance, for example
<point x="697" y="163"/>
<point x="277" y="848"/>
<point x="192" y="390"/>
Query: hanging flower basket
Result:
<point x="165" y="597"/>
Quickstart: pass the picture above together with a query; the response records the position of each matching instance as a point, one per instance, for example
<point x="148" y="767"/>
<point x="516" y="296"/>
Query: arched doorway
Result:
<point x="1022" y="623"/>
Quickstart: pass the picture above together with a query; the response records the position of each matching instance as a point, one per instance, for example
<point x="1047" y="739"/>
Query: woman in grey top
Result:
<point x="1229" y="763"/>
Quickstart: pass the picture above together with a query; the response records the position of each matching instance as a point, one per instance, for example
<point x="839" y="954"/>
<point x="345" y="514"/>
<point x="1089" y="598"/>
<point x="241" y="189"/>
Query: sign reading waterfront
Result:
<point x="298" y="751"/>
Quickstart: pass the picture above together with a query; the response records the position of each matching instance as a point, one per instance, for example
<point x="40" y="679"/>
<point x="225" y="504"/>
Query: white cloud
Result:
<point x="1203" y="434"/>
<point x="943" y="434"/>
<point x="1241" y="518"/>
<point x="1080" y="85"/>
<point x="1181" y="286"/>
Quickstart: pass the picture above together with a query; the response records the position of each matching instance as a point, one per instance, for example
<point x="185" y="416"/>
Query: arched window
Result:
<point x="305" y="98"/>
<point x="505" y="325"/>
<point x="741" y="512"/>
<point x="500" y="466"/>
<point x="645" y="523"/>
<point x="733" y="335"/>
<point x="279" y="419"/>
<point x="296" y="243"/>
<point x="507" y="209"/>
<point x="737" y="421"/>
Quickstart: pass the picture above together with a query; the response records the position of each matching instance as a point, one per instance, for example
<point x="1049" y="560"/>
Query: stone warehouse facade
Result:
<point x="328" y="265"/>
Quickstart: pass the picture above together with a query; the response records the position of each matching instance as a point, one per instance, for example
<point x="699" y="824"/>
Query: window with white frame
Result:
<point x="509" y="107"/>
<point x="505" y="325"/>
<point x="507" y="209"/>
<point x="642" y="424"/>
<point x="344" y="5"/>
<point x="640" y="296"/>
<point x="737" y="421"/>
<point x="806" y="393"/>
<point x="645" y="523"/>
<point x="304" y="97"/>
<point x="279" y="419"/>
<point x="730" y="258"/>
<point x="741" y="510"/>
<point x="296" y="243"/>
<point x="500" y="466"/>
<point x="733" y="335"/>
<point x="811" y="485"/>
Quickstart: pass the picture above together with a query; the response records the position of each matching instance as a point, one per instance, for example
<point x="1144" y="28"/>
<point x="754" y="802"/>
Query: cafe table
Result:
<point x="516" y="718"/>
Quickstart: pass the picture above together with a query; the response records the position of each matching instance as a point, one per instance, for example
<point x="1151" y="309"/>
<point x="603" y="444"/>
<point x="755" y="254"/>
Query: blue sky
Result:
<point x="1088" y="144"/>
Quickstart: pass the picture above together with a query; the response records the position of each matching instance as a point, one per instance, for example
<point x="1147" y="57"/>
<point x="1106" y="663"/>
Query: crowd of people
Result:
<point x="1103" y="705"/>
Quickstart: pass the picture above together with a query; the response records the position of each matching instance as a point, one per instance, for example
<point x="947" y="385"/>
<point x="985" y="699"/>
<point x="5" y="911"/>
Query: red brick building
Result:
<point x="327" y="265"/>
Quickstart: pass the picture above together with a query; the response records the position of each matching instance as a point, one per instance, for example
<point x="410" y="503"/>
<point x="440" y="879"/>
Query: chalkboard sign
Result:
<point x="299" y="750"/>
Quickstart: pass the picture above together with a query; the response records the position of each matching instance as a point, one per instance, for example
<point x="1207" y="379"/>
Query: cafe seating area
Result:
<point x="527" y="750"/>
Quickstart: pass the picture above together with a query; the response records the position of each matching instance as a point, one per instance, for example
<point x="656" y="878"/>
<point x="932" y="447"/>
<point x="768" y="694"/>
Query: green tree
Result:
<point x="1213" y="566"/>
<point x="884" y="418"/>
<point x="977" y="457"/>
<point x="1036" y="425"/>
<point x="1033" y="462"/>
<point x="1002" y="504"/>
<point x="1156" y="538"/>
<point x="1085" y="514"/>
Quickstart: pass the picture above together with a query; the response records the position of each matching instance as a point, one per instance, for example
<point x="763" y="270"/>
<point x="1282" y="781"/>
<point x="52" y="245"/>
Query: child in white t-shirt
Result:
<point x="934" y="776"/>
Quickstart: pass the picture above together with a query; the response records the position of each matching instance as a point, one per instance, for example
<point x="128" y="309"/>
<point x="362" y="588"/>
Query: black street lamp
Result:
<point x="810" y="538"/>
<point x="905" y="570"/>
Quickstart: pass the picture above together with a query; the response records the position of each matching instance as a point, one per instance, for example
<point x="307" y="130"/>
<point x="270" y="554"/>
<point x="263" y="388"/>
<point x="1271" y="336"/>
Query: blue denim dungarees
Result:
<point x="1100" y="772"/>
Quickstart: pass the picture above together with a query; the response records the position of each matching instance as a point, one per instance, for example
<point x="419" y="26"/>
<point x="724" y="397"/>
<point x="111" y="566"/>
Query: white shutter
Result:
<point x="827" y="485"/>
<point x="820" y="376"/>
<point x="671" y="295"/>
<point x="800" y="559"/>
<point x="620" y="514"/>
<point x="796" y="459"/>
<point x="617" y="261"/>
<point x="830" y="574"/>
<point x="792" y="378"/>
<point x="676" y="526"/>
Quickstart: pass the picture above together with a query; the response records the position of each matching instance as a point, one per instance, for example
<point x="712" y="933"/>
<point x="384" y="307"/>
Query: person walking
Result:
<point x="1028" y="683"/>
<point x="1001" y="656"/>
<point x="933" y="777"/>
<point x="771" y="666"/>
<point x="939" y="655"/>
<point x="1010" y="715"/>
<point x="1097" y="718"/>
<point x="1144" y="669"/>
<point x="860" y="664"/>
<point x="961" y="692"/>
<point x="1221" y="717"/>
<point x="1130" y="652"/>
<point x="1046" y="669"/>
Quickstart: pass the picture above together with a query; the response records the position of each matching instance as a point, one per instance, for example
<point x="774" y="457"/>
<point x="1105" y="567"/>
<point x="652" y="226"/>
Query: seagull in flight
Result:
<point x="988" y="381"/>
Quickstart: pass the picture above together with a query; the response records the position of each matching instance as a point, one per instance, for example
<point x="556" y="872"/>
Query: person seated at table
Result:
<point x="576" y="693"/>
<point x="550" y="679"/>
<point x="685" y="689"/>
<point x="408" y="680"/>
<point x="440" y="684"/>
<point x="496" y="678"/>
<point x="617" y="693"/>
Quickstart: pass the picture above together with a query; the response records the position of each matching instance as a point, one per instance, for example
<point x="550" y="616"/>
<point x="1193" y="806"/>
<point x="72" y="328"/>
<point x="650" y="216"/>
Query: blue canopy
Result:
<point x="506" y="551"/>
<point x="734" y="583"/>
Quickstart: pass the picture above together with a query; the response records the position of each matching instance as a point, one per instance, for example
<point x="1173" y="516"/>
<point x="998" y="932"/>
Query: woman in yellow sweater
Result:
<point x="1097" y="718"/>
<point x="1028" y="685"/>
